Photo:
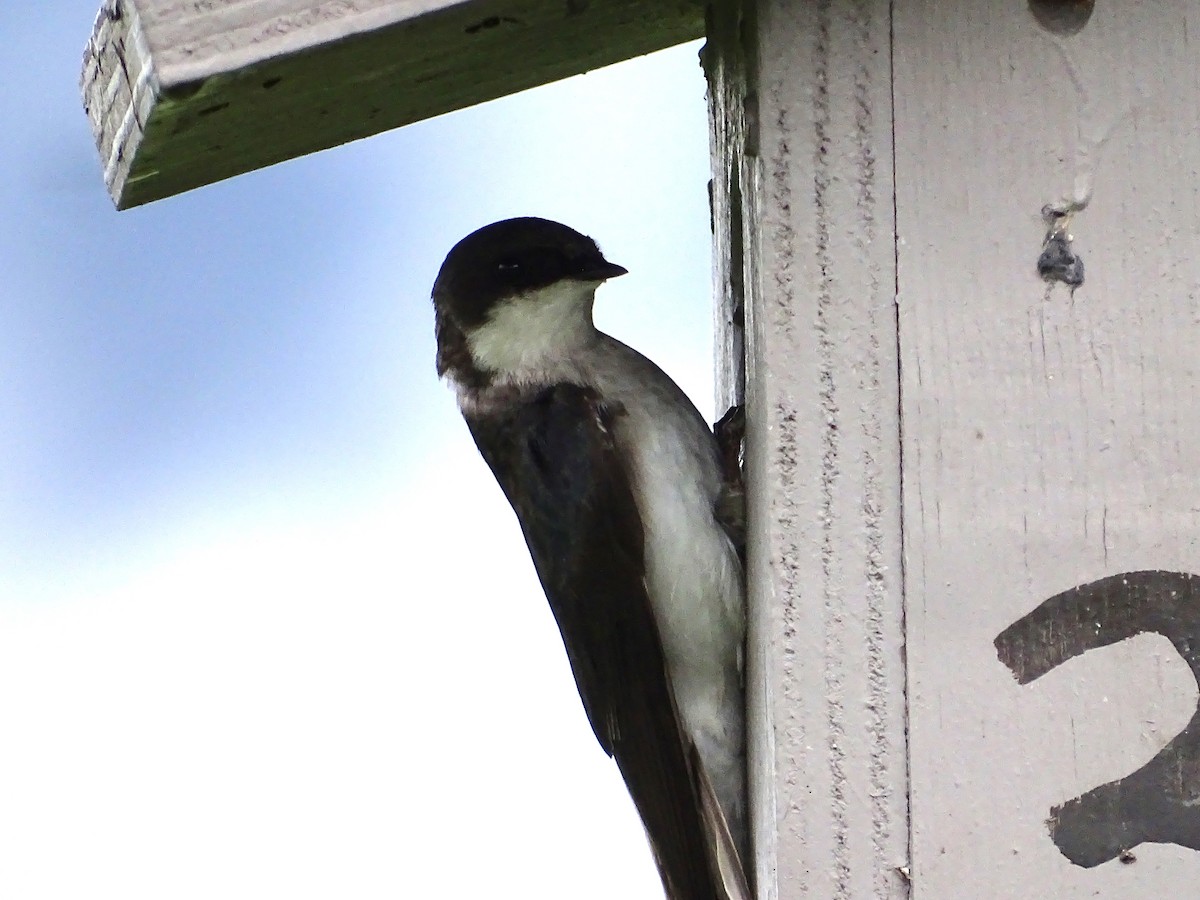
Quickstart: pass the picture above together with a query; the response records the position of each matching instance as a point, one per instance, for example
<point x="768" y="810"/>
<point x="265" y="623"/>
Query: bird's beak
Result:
<point x="602" y="271"/>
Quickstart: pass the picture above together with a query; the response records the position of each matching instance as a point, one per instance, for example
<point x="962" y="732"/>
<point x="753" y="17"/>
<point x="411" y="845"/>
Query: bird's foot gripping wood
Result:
<point x="730" y="432"/>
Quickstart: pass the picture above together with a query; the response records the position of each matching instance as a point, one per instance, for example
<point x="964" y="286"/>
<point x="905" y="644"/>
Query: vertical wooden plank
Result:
<point x="1050" y="441"/>
<point x="731" y="103"/>
<point x="801" y="102"/>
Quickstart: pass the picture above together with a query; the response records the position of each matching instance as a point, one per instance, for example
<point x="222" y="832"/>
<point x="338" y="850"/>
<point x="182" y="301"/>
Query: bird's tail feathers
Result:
<point x="723" y="854"/>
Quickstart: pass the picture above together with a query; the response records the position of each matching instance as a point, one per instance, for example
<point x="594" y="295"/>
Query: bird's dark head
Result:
<point x="511" y="258"/>
<point x="513" y="291"/>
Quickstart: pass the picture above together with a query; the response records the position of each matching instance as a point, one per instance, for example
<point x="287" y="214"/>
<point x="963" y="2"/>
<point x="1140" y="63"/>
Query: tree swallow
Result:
<point x="616" y="480"/>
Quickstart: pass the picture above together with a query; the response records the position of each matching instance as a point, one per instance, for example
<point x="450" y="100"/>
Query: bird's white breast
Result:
<point x="693" y="574"/>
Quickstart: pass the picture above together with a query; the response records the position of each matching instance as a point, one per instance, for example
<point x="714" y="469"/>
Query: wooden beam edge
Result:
<point x="162" y="130"/>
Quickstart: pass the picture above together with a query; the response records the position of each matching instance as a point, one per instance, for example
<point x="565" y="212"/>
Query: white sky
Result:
<point x="267" y="626"/>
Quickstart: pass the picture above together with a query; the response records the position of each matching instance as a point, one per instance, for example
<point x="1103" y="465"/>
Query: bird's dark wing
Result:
<point x="556" y="458"/>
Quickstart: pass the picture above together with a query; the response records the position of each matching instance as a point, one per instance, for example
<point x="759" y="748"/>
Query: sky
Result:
<point x="267" y="625"/>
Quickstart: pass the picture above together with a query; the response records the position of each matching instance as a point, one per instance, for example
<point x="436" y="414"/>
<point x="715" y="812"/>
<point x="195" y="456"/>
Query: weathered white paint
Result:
<point x="800" y="96"/>
<point x="181" y="94"/>
<point x="1050" y="439"/>
<point x="1047" y="436"/>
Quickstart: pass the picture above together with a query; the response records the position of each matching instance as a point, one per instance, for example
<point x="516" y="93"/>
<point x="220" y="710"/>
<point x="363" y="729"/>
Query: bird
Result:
<point x="616" y="480"/>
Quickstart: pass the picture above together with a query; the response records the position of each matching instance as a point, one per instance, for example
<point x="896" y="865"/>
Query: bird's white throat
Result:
<point x="534" y="331"/>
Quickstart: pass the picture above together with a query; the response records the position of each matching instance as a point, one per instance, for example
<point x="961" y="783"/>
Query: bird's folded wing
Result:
<point x="558" y="461"/>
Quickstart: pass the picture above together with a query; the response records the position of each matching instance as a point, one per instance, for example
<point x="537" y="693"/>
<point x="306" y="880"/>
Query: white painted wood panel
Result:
<point x="801" y="100"/>
<point x="1050" y="440"/>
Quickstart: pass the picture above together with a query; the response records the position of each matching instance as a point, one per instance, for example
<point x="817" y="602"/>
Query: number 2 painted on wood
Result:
<point x="1160" y="802"/>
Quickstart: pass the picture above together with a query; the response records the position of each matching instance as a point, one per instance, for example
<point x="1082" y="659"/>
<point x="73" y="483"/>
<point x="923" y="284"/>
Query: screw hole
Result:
<point x="1062" y="17"/>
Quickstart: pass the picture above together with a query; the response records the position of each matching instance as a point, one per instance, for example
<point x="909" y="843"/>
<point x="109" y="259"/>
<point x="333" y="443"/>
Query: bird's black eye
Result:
<point x="508" y="266"/>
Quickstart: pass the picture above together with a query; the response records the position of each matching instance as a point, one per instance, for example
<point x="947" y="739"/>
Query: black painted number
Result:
<point x="1160" y="802"/>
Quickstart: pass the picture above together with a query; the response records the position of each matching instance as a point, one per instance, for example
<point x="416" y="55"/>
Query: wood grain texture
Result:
<point x="182" y="94"/>
<point x="1050" y="437"/>
<point x="801" y="102"/>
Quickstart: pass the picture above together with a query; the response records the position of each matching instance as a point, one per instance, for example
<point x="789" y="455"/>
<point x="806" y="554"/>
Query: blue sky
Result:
<point x="267" y="627"/>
